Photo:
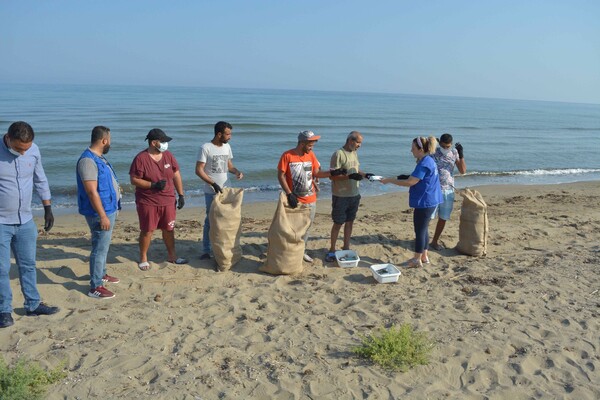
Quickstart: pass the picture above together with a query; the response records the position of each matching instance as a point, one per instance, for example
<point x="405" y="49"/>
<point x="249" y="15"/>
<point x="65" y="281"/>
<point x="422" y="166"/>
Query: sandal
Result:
<point x="144" y="266"/>
<point x="414" y="263"/>
<point x="179" y="261"/>
<point x="330" y="257"/>
<point x="426" y="261"/>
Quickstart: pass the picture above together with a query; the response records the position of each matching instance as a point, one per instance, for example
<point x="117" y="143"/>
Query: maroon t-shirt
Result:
<point x="144" y="167"/>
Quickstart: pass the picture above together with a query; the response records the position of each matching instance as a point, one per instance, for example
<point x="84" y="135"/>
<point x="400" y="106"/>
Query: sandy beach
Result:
<point x="520" y="323"/>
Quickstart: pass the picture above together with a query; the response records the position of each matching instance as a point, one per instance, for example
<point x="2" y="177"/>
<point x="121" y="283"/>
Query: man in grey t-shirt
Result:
<point x="212" y="166"/>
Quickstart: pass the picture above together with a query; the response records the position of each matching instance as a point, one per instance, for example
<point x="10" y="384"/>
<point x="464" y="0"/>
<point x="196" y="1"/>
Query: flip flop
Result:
<point x="144" y="266"/>
<point x="414" y="263"/>
<point x="330" y="257"/>
<point x="426" y="261"/>
<point x="179" y="261"/>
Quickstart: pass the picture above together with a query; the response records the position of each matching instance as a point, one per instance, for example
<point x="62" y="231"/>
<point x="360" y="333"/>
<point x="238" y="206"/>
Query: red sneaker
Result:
<point x="101" y="293"/>
<point x="110" y="279"/>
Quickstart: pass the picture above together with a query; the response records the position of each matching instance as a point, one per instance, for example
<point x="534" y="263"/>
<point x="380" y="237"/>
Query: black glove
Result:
<point x="48" y="218"/>
<point x="402" y="177"/>
<point x="160" y="185"/>
<point x="338" y="172"/>
<point x="180" y="202"/>
<point x="368" y="176"/>
<point x="216" y="187"/>
<point x="292" y="200"/>
<point x="356" y="176"/>
<point x="459" y="148"/>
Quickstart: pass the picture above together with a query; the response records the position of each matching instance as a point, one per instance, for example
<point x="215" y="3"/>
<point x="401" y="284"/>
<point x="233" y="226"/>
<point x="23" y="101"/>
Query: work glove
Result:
<point x="338" y="172"/>
<point x="180" y="202"/>
<point x="292" y="200"/>
<point x="216" y="187"/>
<point x="48" y="218"/>
<point x="160" y="185"/>
<point x="402" y="177"/>
<point x="369" y="176"/>
<point x="356" y="176"/>
<point x="459" y="148"/>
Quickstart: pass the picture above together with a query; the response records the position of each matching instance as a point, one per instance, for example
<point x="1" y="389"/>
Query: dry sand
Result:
<point x="520" y="323"/>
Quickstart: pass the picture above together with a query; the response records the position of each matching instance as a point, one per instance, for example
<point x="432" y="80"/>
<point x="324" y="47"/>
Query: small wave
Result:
<point x="536" y="172"/>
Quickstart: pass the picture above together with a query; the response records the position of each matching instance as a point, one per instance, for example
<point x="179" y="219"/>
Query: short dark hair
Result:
<point x="221" y="126"/>
<point x="99" y="132"/>
<point x="446" y="138"/>
<point x="21" y="131"/>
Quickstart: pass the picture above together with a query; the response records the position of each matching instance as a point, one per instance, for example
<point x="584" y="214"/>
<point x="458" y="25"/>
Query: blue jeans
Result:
<point x="208" y="199"/>
<point x="22" y="240"/>
<point x="100" y="245"/>
<point x="421" y="218"/>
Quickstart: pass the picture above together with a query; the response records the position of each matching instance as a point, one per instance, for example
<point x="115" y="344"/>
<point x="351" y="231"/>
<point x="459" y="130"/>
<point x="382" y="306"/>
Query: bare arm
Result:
<point x="201" y="173"/>
<point x="283" y="182"/>
<point x="411" y="181"/>
<point x="178" y="182"/>
<point x="238" y="174"/>
<point x="91" y="189"/>
<point x="461" y="165"/>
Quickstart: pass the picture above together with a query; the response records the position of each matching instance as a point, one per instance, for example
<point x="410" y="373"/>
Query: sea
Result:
<point x="505" y="141"/>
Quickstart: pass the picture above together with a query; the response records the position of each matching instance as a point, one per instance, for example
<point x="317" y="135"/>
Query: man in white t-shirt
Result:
<point x="214" y="161"/>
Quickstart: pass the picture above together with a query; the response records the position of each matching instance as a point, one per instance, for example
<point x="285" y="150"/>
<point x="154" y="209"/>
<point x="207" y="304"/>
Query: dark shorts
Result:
<point x="343" y="209"/>
<point x="153" y="217"/>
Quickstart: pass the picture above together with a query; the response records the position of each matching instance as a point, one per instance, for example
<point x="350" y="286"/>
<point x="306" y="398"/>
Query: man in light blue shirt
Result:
<point x="20" y="171"/>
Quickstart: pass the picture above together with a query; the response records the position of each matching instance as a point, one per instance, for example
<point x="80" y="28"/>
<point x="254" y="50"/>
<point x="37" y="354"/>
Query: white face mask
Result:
<point x="445" y="151"/>
<point x="163" y="147"/>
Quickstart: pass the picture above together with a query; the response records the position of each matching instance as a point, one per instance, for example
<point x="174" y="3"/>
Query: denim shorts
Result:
<point x="343" y="209"/>
<point x="444" y="210"/>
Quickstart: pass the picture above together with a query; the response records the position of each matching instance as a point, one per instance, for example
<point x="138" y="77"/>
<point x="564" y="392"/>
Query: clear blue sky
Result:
<point x="538" y="49"/>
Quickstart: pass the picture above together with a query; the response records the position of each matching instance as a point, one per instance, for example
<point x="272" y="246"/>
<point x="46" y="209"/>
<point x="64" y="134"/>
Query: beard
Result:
<point x="105" y="149"/>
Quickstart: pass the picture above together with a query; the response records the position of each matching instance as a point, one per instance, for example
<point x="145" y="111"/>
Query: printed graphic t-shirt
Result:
<point x="144" y="167"/>
<point x="445" y="164"/>
<point x="299" y="171"/>
<point x="216" y="160"/>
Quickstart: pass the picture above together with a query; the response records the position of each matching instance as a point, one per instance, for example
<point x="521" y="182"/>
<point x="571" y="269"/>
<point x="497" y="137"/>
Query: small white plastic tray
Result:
<point x="375" y="178"/>
<point x="347" y="258"/>
<point x="385" y="273"/>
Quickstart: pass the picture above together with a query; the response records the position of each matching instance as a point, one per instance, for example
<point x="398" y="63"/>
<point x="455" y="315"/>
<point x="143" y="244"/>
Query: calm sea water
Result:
<point x="505" y="141"/>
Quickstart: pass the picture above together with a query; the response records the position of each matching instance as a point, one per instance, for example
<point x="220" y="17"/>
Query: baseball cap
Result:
<point x="157" y="134"/>
<point x="308" y="135"/>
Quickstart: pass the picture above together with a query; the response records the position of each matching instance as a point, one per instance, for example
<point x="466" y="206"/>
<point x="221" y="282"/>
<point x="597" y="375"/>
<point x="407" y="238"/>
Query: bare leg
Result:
<point x="144" y="240"/>
<point x="347" y="234"/>
<point x="335" y="231"/>
<point x="169" y="239"/>
<point x="439" y="228"/>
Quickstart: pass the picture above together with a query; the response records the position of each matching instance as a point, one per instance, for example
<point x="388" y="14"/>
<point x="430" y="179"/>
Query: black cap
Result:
<point x="157" y="134"/>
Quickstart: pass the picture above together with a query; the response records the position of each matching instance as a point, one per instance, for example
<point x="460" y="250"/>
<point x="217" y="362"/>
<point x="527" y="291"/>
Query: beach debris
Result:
<point x="157" y="298"/>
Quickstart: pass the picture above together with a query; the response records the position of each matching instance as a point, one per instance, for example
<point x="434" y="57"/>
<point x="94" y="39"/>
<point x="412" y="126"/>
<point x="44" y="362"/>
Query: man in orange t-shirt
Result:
<point x="296" y="169"/>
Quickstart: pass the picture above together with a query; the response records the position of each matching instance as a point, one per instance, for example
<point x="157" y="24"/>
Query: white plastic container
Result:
<point x="347" y="258"/>
<point x="385" y="273"/>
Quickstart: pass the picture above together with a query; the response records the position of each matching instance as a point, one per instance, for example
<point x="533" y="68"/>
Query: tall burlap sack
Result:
<point x="286" y="245"/>
<point x="473" y="228"/>
<point x="225" y="217"/>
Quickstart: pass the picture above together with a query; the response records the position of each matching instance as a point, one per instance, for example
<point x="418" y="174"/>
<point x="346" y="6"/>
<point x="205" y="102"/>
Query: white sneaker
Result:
<point x="308" y="258"/>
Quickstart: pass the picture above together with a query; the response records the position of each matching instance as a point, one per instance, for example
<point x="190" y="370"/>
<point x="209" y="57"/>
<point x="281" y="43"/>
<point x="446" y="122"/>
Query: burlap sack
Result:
<point x="225" y="217"/>
<point x="473" y="228"/>
<point x="286" y="245"/>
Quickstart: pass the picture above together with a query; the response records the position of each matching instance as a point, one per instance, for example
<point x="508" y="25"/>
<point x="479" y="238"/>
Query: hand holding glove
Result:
<point x="338" y="172"/>
<point x="48" y="218"/>
<point x="160" y="185"/>
<point x="292" y="200"/>
<point x="216" y="187"/>
<point x="180" y="202"/>
<point x="459" y="148"/>
<point x="356" y="176"/>
<point x="402" y="177"/>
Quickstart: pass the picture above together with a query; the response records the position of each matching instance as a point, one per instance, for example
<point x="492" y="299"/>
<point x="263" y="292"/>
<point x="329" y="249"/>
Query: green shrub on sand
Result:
<point x="26" y="380"/>
<point x="396" y="349"/>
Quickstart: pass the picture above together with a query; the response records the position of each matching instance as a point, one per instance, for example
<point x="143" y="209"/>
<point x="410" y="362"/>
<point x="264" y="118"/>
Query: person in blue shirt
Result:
<point x="20" y="171"/>
<point x="424" y="194"/>
<point x="98" y="199"/>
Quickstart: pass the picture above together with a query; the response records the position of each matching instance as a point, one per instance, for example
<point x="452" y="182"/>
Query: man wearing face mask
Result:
<point x="155" y="174"/>
<point x="20" y="171"/>
<point x="446" y="158"/>
<point x="98" y="198"/>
